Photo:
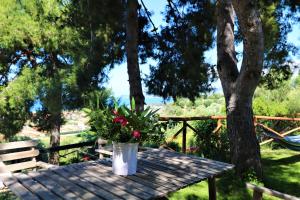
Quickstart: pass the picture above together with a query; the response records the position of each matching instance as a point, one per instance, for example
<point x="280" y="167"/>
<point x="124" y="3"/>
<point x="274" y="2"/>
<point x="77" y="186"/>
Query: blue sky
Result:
<point x="118" y="77"/>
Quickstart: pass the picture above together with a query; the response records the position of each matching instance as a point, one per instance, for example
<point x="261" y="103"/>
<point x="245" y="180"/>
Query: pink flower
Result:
<point x="115" y="112"/>
<point x="136" y="134"/>
<point x="120" y="119"/>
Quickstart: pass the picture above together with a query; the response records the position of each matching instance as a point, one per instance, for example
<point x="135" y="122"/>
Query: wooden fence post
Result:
<point x="212" y="190"/>
<point x="184" y="137"/>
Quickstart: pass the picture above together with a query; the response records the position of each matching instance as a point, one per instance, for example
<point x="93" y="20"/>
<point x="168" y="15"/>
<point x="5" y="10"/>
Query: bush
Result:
<point x="212" y="145"/>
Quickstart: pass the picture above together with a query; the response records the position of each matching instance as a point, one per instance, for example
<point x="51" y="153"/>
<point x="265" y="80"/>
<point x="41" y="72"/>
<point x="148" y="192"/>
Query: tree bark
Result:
<point x="54" y="105"/>
<point x="54" y="142"/>
<point x="239" y="85"/>
<point x="135" y="84"/>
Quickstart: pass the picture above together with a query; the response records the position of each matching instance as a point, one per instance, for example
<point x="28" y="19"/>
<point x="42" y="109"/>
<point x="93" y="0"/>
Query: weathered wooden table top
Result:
<point x="159" y="173"/>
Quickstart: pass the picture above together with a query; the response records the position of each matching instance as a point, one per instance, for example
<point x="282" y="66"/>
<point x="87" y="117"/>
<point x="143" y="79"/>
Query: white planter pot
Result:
<point x="124" y="159"/>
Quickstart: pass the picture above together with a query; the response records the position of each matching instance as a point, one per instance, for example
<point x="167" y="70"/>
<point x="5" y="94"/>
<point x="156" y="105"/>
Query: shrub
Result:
<point x="212" y="145"/>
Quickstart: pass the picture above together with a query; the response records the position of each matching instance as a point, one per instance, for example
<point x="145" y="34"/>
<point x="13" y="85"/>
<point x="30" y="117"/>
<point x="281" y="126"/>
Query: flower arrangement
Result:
<point x="124" y="125"/>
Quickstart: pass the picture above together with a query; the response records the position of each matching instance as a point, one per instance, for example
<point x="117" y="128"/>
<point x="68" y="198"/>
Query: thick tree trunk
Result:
<point x="245" y="152"/>
<point x="135" y="84"/>
<point x="239" y="85"/>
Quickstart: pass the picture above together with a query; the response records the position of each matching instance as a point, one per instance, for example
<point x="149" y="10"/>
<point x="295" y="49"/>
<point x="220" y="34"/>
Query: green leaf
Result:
<point x="132" y="104"/>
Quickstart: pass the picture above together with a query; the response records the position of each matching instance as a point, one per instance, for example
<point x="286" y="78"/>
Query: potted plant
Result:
<point x="127" y="128"/>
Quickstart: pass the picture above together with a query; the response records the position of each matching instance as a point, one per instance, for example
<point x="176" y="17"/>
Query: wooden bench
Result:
<point x="259" y="190"/>
<point x="103" y="148"/>
<point x="16" y="156"/>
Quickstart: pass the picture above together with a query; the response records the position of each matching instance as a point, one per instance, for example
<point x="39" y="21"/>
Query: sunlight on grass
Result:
<point x="64" y="139"/>
<point x="281" y="172"/>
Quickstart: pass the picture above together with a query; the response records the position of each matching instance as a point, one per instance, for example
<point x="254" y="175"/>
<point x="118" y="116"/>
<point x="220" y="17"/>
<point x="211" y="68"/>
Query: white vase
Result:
<point x="124" y="159"/>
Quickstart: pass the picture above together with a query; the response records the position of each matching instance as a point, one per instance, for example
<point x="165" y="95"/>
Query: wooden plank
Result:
<point x="271" y="192"/>
<point x="257" y="195"/>
<point x="22" y="165"/>
<point x="102" y="184"/>
<point x="53" y="186"/>
<point x="163" y="118"/>
<point x="151" y="174"/>
<point x="44" y="165"/>
<point x="187" y="159"/>
<point x="160" y="153"/>
<point x="86" y="184"/>
<point x="17" y="145"/>
<point x="158" y="175"/>
<point x="19" y="190"/>
<point x="180" y="180"/>
<point x="19" y="155"/>
<point x="36" y="187"/>
<point x="200" y="169"/>
<point x="195" y="169"/>
<point x="185" y="178"/>
<point x="104" y="151"/>
<point x="184" y="137"/>
<point x="173" y="169"/>
<point x="116" y="182"/>
<point x="144" y="179"/>
<point x="212" y="190"/>
<point x="69" y="185"/>
<point x="123" y="179"/>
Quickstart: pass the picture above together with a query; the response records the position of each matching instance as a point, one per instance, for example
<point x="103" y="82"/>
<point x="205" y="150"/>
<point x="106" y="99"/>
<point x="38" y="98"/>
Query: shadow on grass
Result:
<point x="283" y="174"/>
<point x="283" y="161"/>
<point x="229" y="186"/>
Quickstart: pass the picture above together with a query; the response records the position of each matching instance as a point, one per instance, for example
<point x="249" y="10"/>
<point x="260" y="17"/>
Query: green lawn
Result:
<point x="281" y="172"/>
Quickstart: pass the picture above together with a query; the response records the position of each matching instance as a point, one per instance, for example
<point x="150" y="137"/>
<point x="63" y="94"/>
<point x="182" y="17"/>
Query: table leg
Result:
<point x="212" y="188"/>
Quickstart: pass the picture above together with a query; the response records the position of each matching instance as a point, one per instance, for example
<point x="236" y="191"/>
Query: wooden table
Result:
<point x="159" y="173"/>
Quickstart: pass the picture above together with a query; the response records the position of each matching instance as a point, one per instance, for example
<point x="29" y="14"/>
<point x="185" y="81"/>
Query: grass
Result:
<point x="281" y="172"/>
<point x="64" y="139"/>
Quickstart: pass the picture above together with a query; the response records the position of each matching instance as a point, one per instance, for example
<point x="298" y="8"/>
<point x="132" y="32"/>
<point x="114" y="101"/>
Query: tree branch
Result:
<point x="149" y="17"/>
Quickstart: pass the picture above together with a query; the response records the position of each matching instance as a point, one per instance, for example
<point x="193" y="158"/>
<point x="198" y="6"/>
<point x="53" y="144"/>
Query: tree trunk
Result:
<point x="245" y="152"/>
<point x="239" y="85"/>
<point x="55" y="109"/>
<point x="56" y="119"/>
<point x="135" y="84"/>
<point x="54" y="142"/>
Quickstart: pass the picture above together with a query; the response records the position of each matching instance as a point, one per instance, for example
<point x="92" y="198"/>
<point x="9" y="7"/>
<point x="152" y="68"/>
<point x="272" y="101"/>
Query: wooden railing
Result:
<point x="257" y="123"/>
<point x="68" y="146"/>
<point x="186" y="125"/>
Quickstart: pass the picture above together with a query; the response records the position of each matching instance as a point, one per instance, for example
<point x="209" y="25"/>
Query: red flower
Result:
<point x="120" y="119"/>
<point x="136" y="134"/>
<point x="86" y="158"/>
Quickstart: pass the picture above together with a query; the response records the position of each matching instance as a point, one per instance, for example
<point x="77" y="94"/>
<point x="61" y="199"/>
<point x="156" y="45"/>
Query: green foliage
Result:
<point x="283" y="101"/>
<point x="181" y="70"/>
<point x="126" y="125"/>
<point x="202" y="106"/>
<point x="15" y="103"/>
<point x="212" y="145"/>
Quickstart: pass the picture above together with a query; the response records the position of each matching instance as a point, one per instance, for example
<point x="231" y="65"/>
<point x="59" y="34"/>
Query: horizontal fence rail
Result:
<point x="220" y="124"/>
<point x="68" y="146"/>
<point x="186" y="125"/>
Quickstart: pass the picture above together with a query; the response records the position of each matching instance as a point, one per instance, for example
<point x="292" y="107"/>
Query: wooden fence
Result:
<point x="185" y="125"/>
<point x="220" y="123"/>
